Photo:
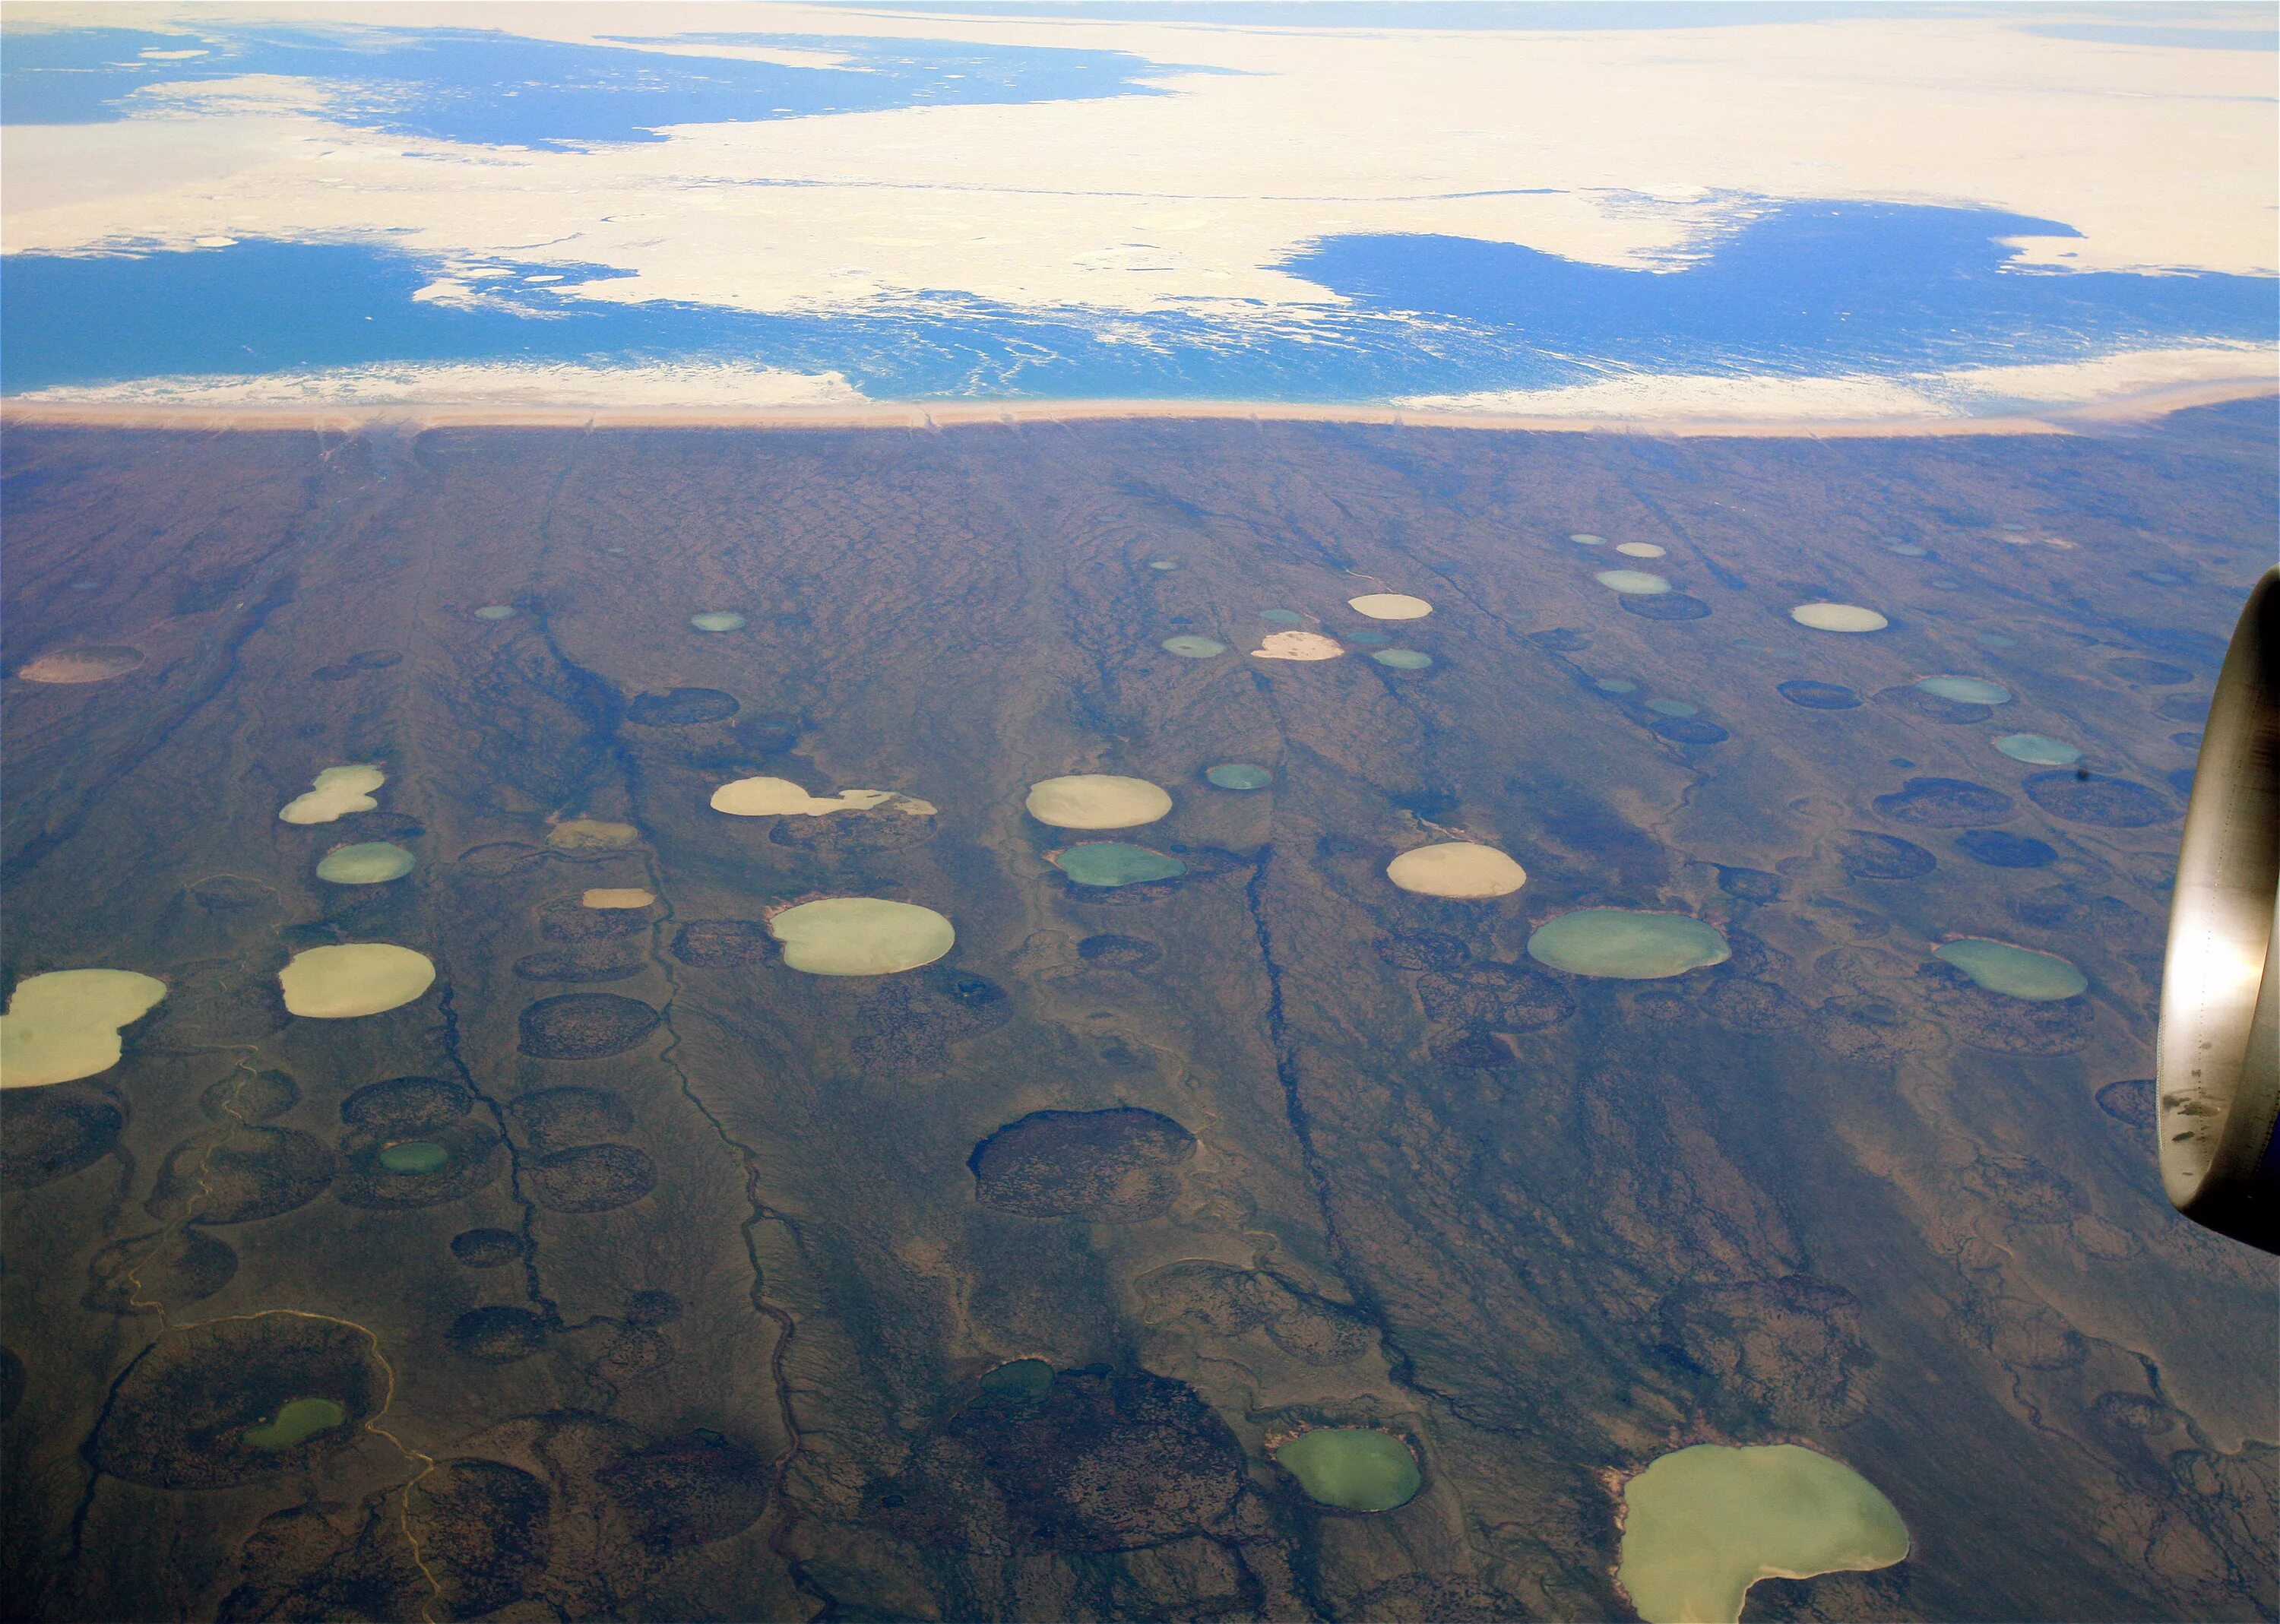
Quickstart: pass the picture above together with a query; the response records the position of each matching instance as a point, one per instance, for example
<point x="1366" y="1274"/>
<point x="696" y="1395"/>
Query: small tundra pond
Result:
<point x="297" y="1421"/>
<point x="1114" y="862"/>
<point x="2016" y="971"/>
<point x="1628" y="943"/>
<point x="1702" y="1525"/>
<point x="1354" y="1468"/>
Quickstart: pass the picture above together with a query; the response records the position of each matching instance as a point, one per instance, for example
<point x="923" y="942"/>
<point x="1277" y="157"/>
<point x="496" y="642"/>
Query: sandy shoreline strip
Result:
<point x="208" y="418"/>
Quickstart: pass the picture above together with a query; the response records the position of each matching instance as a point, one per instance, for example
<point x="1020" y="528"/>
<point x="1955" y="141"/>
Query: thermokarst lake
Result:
<point x="1142" y="1019"/>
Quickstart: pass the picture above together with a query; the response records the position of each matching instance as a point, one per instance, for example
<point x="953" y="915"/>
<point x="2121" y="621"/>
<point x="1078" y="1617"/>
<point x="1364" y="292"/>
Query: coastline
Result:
<point x="2117" y="411"/>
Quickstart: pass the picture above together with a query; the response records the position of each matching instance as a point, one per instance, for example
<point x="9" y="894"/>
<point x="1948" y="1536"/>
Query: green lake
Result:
<point x="1114" y="862"/>
<point x="1630" y="943"/>
<point x="2018" y="972"/>
<point x="1966" y="690"/>
<point x="1354" y="1468"/>
<point x="370" y="862"/>
<point x="1239" y="775"/>
<point x="415" y="1156"/>
<point x="1188" y="646"/>
<point x="297" y="1421"/>
<point x="2038" y="750"/>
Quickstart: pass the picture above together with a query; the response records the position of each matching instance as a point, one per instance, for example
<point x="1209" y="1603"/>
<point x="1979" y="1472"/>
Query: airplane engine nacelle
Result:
<point x="2219" y="1072"/>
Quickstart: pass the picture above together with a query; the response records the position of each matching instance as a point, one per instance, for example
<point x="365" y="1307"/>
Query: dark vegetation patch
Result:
<point x="2148" y="673"/>
<point x="1865" y="855"/>
<point x="1747" y="1005"/>
<point x="178" y="1417"/>
<point x="1497" y="998"/>
<point x="487" y="1249"/>
<point x="167" y="1266"/>
<point x="2001" y="849"/>
<point x="2109" y="803"/>
<point x="716" y="944"/>
<point x="1117" y="952"/>
<point x="588" y="961"/>
<point x="585" y="1026"/>
<point x="1992" y="1021"/>
<point x="1689" y="730"/>
<point x="651" y="1307"/>
<point x="1818" y="696"/>
<point x="1562" y="640"/>
<point x="1229" y="1302"/>
<point x="1665" y="606"/>
<point x="592" y="1178"/>
<point x="485" y="1528"/>
<point x="1792" y="1347"/>
<point x="1110" y="1166"/>
<point x="1945" y="804"/>
<point x="1749" y="884"/>
<point x="1907" y="697"/>
<point x="907" y="1022"/>
<point x="2027" y="1191"/>
<point x="2130" y="1101"/>
<point x="693" y="1489"/>
<point x="2184" y="708"/>
<point x="407" y="1103"/>
<point x="567" y="919"/>
<point x="1473" y="1049"/>
<point x="47" y="1133"/>
<point x="473" y="1156"/>
<point x="498" y="1335"/>
<point x="1425" y="950"/>
<point x="256" y="1098"/>
<point x="251" y="1172"/>
<point x="680" y="707"/>
<point x="1101" y="1462"/>
<point x="832" y="835"/>
<point x="556" y="1119"/>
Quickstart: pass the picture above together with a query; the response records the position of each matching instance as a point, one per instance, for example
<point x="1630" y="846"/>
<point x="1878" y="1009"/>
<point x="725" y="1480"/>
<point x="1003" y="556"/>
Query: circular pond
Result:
<point x="1187" y="645"/>
<point x="1640" y="583"/>
<point x="861" y="936"/>
<point x="1584" y="538"/>
<point x="496" y="611"/>
<point x="1965" y="690"/>
<point x="297" y="1421"/>
<point x="1403" y="660"/>
<point x="1838" y="618"/>
<point x="1389" y="606"/>
<point x="1298" y="646"/>
<point x="360" y="978"/>
<point x="1459" y="869"/>
<point x="1627" y="943"/>
<point x="1354" y="1468"/>
<point x="370" y="862"/>
<point x="1238" y="775"/>
<point x="1641" y="549"/>
<point x="2015" y="972"/>
<point x="1097" y="801"/>
<point x="717" y="620"/>
<point x="1114" y="862"/>
<point x="415" y="1155"/>
<point x="2038" y="750"/>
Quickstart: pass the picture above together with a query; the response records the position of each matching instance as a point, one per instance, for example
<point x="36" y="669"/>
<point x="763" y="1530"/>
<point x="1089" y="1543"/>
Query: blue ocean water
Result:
<point x="1801" y="289"/>
<point x="500" y="90"/>
<point x="1804" y="287"/>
